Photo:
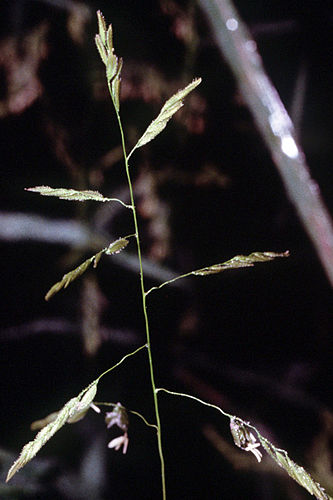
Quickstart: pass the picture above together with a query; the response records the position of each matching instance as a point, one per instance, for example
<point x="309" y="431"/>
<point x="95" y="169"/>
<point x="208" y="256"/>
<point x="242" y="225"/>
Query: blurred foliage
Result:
<point x="257" y="342"/>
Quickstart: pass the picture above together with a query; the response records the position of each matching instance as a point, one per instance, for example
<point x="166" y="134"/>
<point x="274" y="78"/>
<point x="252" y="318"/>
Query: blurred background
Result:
<point x="257" y="342"/>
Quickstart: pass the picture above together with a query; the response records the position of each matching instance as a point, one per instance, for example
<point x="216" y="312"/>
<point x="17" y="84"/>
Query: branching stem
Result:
<point x="168" y="282"/>
<point x="103" y="403"/>
<point x="144" y="305"/>
<point x="173" y="393"/>
<point x="120" y="362"/>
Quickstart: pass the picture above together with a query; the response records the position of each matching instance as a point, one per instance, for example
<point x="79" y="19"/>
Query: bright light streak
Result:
<point x="288" y="146"/>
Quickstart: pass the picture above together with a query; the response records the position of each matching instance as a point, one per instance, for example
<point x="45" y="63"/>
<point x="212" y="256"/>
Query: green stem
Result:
<point x="183" y="395"/>
<point x="144" y="306"/>
<point x="168" y="282"/>
<point x="117" y="364"/>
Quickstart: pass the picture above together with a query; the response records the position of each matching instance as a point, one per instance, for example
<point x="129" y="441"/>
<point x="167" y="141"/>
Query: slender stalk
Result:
<point x="183" y="395"/>
<point x="144" y="305"/>
<point x="168" y="282"/>
<point x="96" y="404"/>
<point x="121" y="361"/>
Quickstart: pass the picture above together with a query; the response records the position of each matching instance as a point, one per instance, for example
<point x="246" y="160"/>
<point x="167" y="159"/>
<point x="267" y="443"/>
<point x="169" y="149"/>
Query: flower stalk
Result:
<point x="113" y="65"/>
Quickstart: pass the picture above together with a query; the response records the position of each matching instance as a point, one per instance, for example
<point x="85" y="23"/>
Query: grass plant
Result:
<point x="246" y="436"/>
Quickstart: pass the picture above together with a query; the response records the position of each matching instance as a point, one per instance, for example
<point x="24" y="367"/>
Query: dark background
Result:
<point x="256" y="342"/>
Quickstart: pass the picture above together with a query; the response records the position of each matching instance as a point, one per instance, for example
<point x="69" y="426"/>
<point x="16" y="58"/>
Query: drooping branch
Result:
<point x="18" y="226"/>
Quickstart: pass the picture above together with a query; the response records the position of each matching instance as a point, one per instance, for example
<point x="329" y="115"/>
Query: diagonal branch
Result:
<point x="274" y="124"/>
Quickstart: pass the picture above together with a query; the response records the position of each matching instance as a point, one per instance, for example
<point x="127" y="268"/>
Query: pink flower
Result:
<point x="118" y="442"/>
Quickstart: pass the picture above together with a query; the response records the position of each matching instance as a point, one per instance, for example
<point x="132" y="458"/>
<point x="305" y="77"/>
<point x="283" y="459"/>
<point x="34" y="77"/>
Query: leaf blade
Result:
<point x="68" y="194"/>
<point x="171" y="106"/>
<point x="68" y="278"/>
<point x="239" y="261"/>
<point x="236" y="262"/>
<point x="295" y="471"/>
<point x="117" y="246"/>
<point x="71" y="412"/>
<point x="32" y="448"/>
<point x="73" y="194"/>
